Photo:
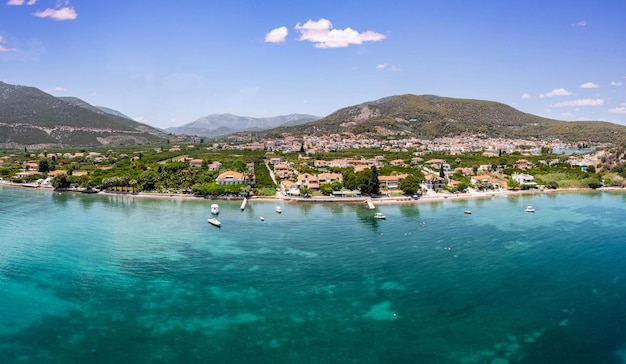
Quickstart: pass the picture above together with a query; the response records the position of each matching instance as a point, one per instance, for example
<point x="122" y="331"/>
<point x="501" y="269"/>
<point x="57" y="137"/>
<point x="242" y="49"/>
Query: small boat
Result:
<point x="215" y="222"/>
<point x="261" y="218"/>
<point x="379" y="216"/>
<point x="529" y="209"/>
<point x="467" y="212"/>
<point x="215" y="209"/>
<point x="278" y="209"/>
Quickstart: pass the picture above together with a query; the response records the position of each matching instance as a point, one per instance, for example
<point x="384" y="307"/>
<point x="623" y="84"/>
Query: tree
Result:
<point x="349" y="179"/>
<point x="305" y="192"/>
<point x="512" y="184"/>
<point x="60" y="181"/>
<point x="410" y="185"/>
<point x="44" y="165"/>
<point x="374" y="185"/>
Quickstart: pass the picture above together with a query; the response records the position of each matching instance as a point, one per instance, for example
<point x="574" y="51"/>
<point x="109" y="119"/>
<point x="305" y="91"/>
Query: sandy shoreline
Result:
<point x="398" y="200"/>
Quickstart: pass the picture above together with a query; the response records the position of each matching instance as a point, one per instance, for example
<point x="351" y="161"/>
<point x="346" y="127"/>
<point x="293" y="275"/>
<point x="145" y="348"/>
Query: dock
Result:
<point x="243" y="204"/>
<point x="370" y="203"/>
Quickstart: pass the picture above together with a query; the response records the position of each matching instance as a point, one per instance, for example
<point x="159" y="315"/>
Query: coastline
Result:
<point x="384" y="200"/>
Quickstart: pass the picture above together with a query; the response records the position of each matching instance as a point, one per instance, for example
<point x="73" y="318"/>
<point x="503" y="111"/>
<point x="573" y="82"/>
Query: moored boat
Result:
<point x="215" y="222"/>
<point x="278" y="209"/>
<point x="379" y="216"/>
<point x="529" y="209"/>
<point x="215" y="209"/>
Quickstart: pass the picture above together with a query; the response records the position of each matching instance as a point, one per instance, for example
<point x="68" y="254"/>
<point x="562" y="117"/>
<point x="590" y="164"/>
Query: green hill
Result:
<point x="30" y="117"/>
<point x="431" y="117"/>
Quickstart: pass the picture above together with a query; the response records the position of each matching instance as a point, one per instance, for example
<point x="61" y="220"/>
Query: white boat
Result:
<point x="379" y="216"/>
<point x="529" y="209"/>
<point x="467" y="212"/>
<point x="215" y="222"/>
<point x="215" y="209"/>
<point x="261" y="218"/>
<point x="278" y="209"/>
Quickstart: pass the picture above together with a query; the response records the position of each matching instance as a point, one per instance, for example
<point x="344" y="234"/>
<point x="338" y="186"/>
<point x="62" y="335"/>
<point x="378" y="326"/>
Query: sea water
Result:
<point x="106" y="279"/>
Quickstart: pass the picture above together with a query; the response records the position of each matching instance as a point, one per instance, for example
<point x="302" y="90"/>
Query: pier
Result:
<point x="244" y="203"/>
<point x="370" y="203"/>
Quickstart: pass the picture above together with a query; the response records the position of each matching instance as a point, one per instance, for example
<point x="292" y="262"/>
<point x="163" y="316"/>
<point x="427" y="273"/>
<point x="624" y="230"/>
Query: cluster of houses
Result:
<point x="291" y="181"/>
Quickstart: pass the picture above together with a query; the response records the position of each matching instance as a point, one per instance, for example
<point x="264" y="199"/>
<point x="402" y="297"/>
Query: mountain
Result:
<point x="219" y="125"/>
<point x="97" y="109"/>
<point x="30" y="117"/>
<point x="430" y="116"/>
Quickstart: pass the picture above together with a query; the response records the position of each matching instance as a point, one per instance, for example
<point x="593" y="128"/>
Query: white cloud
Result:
<point x="589" y="85"/>
<point x="556" y="92"/>
<point x="277" y="35"/>
<point x="383" y="66"/>
<point x="55" y="89"/>
<point x="619" y="110"/>
<point x="3" y="48"/>
<point x="581" y="23"/>
<point x="616" y="83"/>
<point x="321" y="33"/>
<point x="581" y="102"/>
<point x="58" y="14"/>
<point x="525" y="96"/>
<point x="21" y="2"/>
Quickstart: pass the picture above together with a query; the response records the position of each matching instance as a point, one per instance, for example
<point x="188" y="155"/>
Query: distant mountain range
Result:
<point x="430" y="116"/>
<point x="35" y="119"/>
<point x="220" y="125"/>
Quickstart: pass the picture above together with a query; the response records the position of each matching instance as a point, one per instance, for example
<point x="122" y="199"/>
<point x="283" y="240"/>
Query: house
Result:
<point x="391" y="182"/>
<point x="329" y="177"/>
<point x="433" y="182"/>
<point x="31" y="166"/>
<point x="291" y="188"/>
<point x="485" y="179"/>
<point x="230" y="178"/>
<point x="25" y="174"/>
<point x="195" y="163"/>
<point x="397" y="162"/>
<point x="309" y="181"/>
<point x="214" y="167"/>
<point x="523" y="179"/>
<point x="57" y="172"/>
<point x="522" y="164"/>
<point x="250" y="166"/>
<point x="282" y="171"/>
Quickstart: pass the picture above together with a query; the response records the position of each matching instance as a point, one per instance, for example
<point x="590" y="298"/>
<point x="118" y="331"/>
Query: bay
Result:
<point x="99" y="279"/>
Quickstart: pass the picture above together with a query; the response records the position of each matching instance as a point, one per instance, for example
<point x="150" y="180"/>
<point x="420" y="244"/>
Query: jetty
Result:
<point x="244" y="203"/>
<point x="370" y="203"/>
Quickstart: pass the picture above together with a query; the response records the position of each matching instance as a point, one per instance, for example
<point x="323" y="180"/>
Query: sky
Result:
<point x="167" y="63"/>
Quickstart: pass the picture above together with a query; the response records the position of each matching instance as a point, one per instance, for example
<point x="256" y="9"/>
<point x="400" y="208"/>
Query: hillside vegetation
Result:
<point x="31" y="117"/>
<point x="431" y="117"/>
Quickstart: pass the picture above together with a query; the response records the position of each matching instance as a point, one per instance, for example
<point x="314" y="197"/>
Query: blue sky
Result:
<point x="168" y="63"/>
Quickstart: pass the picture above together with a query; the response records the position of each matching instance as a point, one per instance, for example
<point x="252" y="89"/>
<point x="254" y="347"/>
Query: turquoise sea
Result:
<point x="112" y="279"/>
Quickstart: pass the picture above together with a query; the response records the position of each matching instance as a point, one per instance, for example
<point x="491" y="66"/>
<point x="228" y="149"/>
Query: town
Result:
<point x="316" y="166"/>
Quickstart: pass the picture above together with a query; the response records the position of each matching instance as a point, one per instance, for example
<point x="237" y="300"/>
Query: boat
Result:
<point x="467" y="212"/>
<point x="379" y="216"/>
<point x="261" y="218"/>
<point x="278" y="209"/>
<point x="215" y="222"/>
<point x="529" y="209"/>
<point x="215" y="209"/>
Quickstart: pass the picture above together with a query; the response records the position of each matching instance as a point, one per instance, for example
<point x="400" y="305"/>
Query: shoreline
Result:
<point x="399" y="200"/>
